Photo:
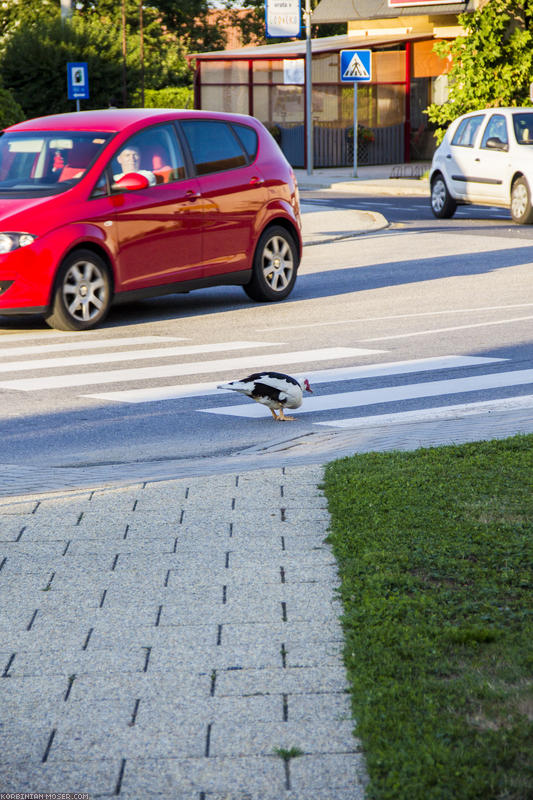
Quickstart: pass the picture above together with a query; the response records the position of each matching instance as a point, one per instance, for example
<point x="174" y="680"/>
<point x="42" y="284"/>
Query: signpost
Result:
<point x="356" y="67"/>
<point x="284" y="18"/>
<point x="77" y="81"/>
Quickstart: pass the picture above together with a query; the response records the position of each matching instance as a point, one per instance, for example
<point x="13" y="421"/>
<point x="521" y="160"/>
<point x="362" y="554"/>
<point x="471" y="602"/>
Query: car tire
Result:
<point x="82" y="292"/>
<point x="442" y="203"/>
<point x="274" y="267"/>
<point x="521" y="210"/>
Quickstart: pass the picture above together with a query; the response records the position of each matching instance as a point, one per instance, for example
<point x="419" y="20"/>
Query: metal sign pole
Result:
<point x="356" y="66"/>
<point x="308" y="87"/>
<point x="355" y="130"/>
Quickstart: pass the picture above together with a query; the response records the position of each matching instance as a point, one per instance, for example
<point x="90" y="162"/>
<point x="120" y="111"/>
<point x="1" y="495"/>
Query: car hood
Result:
<point x="28" y="214"/>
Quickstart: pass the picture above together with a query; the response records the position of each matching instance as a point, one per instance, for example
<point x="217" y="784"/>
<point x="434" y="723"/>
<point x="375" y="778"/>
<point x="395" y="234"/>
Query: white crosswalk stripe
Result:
<point x="135" y="355"/>
<point x="82" y="344"/>
<point x="225" y="365"/>
<point x="389" y="394"/>
<point x="61" y="362"/>
<point x="153" y="394"/>
<point x="435" y="413"/>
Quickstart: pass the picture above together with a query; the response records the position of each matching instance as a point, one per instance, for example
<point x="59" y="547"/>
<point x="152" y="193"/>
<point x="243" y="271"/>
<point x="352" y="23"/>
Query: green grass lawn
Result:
<point x="435" y="554"/>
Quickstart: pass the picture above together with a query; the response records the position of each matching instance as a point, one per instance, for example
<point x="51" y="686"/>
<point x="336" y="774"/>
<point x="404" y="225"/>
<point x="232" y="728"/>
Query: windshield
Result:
<point x="41" y="163"/>
<point x="523" y="127"/>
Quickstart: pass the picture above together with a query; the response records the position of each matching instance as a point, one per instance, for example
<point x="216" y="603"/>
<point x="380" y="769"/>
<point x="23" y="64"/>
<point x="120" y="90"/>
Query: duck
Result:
<point x="273" y="389"/>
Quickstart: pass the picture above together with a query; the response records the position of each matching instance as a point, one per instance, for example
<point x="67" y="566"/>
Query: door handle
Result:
<point x="191" y="195"/>
<point x="477" y="159"/>
<point x="255" y="181"/>
<point x="448" y="156"/>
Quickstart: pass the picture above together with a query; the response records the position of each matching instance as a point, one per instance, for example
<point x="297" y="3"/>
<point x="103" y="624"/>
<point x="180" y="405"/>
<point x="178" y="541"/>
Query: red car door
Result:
<point x="159" y="229"/>
<point x="233" y="194"/>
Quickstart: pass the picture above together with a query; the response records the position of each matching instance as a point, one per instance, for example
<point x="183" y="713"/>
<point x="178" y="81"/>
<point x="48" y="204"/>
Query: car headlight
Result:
<point x="12" y="241"/>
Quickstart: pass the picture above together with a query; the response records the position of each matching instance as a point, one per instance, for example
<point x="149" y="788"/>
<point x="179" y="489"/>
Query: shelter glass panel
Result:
<point x="380" y="106"/>
<point x="224" y="71"/>
<point x="233" y="99"/>
<point x="326" y="68"/>
<point x="268" y="71"/>
<point x="388" y="66"/>
<point x="279" y="104"/>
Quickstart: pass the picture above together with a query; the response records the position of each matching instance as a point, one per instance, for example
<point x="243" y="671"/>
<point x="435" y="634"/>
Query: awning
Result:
<point x="346" y="10"/>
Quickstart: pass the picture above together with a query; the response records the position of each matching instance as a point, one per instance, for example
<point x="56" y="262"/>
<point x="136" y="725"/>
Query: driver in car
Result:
<point x="129" y="159"/>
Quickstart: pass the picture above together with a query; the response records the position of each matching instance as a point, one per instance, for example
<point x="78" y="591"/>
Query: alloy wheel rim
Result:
<point x="84" y="291"/>
<point x="438" y="195"/>
<point x="278" y="263"/>
<point x="519" y="200"/>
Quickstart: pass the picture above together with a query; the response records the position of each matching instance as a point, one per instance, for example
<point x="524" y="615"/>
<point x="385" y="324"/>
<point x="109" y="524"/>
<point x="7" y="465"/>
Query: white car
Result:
<point x="486" y="157"/>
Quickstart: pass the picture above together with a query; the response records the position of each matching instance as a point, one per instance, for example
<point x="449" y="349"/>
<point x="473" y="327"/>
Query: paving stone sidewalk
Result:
<point x="175" y="640"/>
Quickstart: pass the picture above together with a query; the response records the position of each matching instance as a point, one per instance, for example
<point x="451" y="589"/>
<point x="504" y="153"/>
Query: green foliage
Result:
<point x="10" y="111"/>
<point x="170" y="97"/>
<point x="23" y="12"/>
<point x="492" y="63"/>
<point x="33" y="64"/>
<point x="435" y="552"/>
<point x="35" y="53"/>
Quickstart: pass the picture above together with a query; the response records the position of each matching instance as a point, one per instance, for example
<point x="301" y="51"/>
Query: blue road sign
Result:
<point x="356" y="66"/>
<point x="77" y="80"/>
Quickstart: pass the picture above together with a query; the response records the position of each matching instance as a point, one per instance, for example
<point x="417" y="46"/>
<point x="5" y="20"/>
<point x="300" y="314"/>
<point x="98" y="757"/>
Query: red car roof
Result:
<point x="110" y="119"/>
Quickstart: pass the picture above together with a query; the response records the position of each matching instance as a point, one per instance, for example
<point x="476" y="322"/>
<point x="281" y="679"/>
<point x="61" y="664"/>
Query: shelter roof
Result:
<point x="296" y="48"/>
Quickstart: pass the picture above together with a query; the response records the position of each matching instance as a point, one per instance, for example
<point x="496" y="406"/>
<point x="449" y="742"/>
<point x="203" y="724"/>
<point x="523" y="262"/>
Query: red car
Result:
<point x="103" y="207"/>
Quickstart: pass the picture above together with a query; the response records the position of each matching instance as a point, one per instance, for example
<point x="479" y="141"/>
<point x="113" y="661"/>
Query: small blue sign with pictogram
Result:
<point x="78" y="80"/>
<point x="356" y="66"/>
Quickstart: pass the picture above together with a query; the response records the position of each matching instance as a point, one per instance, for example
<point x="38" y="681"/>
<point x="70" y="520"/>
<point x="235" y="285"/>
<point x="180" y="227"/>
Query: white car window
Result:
<point x="496" y="129"/>
<point x="465" y="134"/>
<point x="523" y="127"/>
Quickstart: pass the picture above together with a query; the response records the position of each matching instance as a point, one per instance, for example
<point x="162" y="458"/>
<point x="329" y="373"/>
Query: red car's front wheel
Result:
<point x="82" y="293"/>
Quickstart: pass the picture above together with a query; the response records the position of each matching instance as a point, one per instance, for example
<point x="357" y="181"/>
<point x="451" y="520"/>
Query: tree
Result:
<point x="10" y="111"/>
<point x="22" y="12"/>
<point x="34" y="57"/>
<point x="35" y="50"/>
<point x="492" y="65"/>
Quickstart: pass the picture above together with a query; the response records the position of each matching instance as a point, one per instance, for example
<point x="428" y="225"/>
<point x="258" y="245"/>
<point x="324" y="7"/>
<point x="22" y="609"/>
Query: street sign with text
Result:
<point x="283" y="18"/>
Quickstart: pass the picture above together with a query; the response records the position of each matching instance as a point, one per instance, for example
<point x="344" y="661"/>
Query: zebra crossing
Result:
<point x="351" y="396"/>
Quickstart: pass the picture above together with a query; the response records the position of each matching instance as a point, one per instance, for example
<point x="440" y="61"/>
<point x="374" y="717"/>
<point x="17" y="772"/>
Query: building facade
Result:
<point x="268" y="82"/>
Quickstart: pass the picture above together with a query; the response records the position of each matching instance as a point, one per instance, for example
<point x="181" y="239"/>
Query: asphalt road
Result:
<point x="415" y="213"/>
<point x="418" y="318"/>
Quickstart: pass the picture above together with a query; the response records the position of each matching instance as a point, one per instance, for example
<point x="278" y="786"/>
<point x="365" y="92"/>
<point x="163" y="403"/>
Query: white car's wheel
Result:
<point x="442" y="203"/>
<point x="521" y="210"/>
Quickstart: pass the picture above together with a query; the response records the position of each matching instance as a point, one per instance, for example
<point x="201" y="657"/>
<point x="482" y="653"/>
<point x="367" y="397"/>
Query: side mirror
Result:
<point x="495" y="143"/>
<point x="131" y="182"/>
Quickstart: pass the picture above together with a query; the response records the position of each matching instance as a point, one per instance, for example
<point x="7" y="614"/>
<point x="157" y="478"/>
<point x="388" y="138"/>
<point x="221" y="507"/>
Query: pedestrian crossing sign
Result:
<point x="356" y="66"/>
